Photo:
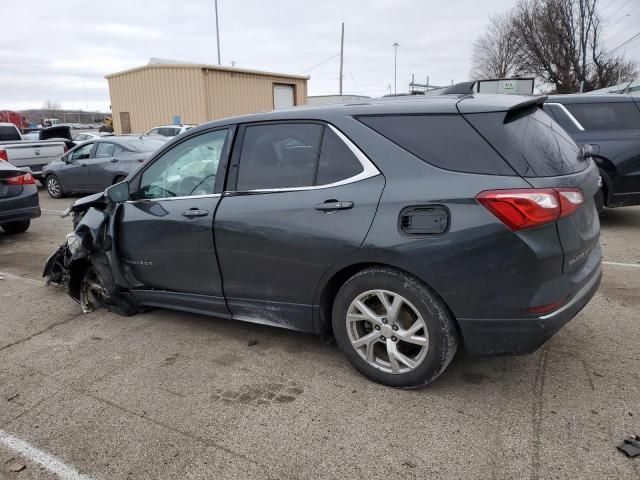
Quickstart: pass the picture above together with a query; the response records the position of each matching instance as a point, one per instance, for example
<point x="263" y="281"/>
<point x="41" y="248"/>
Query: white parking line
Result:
<point x="620" y="264"/>
<point x="52" y="211"/>
<point x="34" y="454"/>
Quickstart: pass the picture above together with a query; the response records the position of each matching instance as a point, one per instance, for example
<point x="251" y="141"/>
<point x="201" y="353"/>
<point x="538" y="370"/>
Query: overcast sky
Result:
<point x="61" y="50"/>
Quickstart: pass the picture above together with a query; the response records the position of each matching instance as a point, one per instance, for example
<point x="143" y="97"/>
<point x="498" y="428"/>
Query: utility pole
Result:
<point x="395" y="67"/>
<point x="341" y="56"/>
<point x="217" y="31"/>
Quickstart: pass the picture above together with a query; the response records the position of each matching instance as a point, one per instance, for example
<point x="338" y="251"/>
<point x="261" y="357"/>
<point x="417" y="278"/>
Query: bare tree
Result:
<point x="51" y="108"/>
<point x="560" y="42"/>
<point x="494" y="52"/>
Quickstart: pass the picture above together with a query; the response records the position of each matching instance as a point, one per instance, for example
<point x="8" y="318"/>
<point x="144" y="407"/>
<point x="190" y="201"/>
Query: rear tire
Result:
<point x="54" y="187"/>
<point x="393" y="328"/>
<point x="16" y="227"/>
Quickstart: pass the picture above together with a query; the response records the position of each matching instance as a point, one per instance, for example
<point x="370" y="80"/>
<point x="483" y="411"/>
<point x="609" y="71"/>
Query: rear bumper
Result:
<point x="524" y="335"/>
<point x="24" y="206"/>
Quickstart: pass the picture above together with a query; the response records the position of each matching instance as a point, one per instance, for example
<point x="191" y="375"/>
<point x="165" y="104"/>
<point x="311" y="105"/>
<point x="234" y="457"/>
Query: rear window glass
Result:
<point x="546" y="147"/>
<point x="534" y="144"/>
<point x="8" y="134"/>
<point x="144" y="144"/>
<point x="606" y="116"/>
<point x="446" y="141"/>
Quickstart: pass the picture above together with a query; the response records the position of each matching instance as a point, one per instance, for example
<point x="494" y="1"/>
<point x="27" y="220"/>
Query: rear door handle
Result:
<point x="195" y="212"/>
<point x="332" y="206"/>
<point x="113" y="160"/>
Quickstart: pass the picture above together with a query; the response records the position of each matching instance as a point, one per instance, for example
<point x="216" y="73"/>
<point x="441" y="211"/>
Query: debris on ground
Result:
<point x="251" y="343"/>
<point x="17" y="467"/>
<point x="631" y="446"/>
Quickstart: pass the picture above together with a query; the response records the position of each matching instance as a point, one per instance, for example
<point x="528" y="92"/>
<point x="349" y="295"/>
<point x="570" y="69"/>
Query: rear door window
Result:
<point x="105" y="150"/>
<point x="606" y="116"/>
<point x="445" y="141"/>
<point x="281" y="155"/>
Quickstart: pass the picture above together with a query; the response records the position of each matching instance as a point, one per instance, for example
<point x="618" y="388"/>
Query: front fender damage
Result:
<point x="87" y="255"/>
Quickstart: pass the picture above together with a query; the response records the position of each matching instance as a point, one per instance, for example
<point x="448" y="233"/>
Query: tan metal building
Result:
<point x="156" y="93"/>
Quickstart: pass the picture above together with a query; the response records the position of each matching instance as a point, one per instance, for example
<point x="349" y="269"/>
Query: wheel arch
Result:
<point x="327" y="292"/>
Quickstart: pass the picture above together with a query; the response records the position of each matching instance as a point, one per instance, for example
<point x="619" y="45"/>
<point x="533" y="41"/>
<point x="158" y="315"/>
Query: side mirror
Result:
<point x="588" y="150"/>
<point x="118" y="193"/>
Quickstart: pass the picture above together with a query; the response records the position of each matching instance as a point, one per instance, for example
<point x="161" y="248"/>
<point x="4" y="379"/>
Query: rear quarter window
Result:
<point x="606" y="116"/>
<point x="445" y="141"/>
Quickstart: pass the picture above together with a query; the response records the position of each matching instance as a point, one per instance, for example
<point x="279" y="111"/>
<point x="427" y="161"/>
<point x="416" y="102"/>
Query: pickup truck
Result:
<point x="32" y="155"/>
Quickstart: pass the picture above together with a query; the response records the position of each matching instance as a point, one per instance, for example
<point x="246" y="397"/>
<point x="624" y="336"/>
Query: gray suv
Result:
<point x="394" y="225"/>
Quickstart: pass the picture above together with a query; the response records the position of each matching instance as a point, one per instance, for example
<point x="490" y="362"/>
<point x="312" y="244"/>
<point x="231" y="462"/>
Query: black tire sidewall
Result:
<point x="16" y="227"/>
<point x="46" y="183"/>
<point x="440" y="325"/>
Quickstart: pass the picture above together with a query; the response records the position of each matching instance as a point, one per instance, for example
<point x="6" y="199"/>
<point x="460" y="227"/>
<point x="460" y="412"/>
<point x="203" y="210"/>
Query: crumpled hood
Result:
<point x="86" y="202"/>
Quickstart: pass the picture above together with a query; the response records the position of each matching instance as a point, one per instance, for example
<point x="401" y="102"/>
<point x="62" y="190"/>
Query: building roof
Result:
<point x="164" y="63"/>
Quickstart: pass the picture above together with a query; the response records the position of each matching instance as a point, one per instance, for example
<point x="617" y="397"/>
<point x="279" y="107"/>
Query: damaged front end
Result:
<point x="86" y="263"/>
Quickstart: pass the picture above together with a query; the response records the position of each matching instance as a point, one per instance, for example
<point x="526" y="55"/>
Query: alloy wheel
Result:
<point x="53" y="186"/>
<point x="387" y="331"/>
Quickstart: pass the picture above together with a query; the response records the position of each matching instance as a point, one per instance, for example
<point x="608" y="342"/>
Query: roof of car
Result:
<point x="125" y="139"/>
<point x="589" y="98"/>
<point x="406" y="105"/>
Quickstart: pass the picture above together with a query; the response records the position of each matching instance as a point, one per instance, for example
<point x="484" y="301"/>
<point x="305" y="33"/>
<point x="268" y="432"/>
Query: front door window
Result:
<point x="188" y="169"/>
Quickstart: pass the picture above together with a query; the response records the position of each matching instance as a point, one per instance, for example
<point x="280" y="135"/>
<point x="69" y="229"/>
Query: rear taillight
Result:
<point x="26" y="179"/>
<point x="570" y="200"/>
<point x="65" y="149"/>
<point x="3" y="155"/>
<point x="524" y="208"/>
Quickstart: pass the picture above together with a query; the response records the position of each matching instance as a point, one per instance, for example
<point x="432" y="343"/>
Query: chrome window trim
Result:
<point x="208" y="195"/>
<point x="368" y="170"/>
<point x="569" y="114"/>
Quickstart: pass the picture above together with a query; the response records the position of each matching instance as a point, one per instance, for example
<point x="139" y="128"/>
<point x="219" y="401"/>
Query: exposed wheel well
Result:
<point x="118" y="179"/>
<point x="330" y="291"/>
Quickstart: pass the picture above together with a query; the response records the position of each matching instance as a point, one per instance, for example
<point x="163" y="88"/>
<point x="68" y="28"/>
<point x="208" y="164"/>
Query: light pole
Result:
<point x="217" y="31"/>
<point x="395" y="67"/>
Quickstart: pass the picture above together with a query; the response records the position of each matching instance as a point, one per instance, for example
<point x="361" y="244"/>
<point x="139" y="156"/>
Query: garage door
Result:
<point x="283" y="96"/>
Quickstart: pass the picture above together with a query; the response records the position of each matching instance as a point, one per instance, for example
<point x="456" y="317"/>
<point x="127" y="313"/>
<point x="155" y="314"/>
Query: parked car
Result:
<point x="610" y="124"/>
<point x="393" y="224"/>
<point x="94" y="165"/>
<point x="31" y="155"/>
<point x="169" y="131"/>
<point x="18" y="198"/>
<point x="86" y="136"/>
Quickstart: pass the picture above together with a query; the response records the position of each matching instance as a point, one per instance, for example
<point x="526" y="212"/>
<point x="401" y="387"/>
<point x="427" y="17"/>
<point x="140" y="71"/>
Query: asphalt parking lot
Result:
<point x="166" y="395"/>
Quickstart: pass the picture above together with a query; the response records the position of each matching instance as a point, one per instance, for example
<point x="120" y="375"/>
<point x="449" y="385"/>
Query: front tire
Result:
<point x="54" y="187"/>
<point x="16" y="227"/>
<point x="393" y="328"/>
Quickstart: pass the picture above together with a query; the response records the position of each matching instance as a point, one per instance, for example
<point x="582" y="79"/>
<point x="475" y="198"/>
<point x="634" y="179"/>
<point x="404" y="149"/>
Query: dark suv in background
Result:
<point x="611" y="125"/>
<point x="405" y="227"/>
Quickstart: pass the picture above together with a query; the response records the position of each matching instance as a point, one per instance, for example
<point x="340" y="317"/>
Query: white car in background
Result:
<point x="169" y="131"/>
<point x="86" y="136"/>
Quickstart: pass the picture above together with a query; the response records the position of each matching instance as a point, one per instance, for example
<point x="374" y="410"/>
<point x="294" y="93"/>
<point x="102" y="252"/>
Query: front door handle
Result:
<point x="195" y="212"/>
<point x="333" y="205"/>
<point x="113" y="160"/>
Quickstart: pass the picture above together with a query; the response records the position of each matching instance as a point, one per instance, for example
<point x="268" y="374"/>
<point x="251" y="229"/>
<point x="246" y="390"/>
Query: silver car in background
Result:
<point x="94" y="165"/>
